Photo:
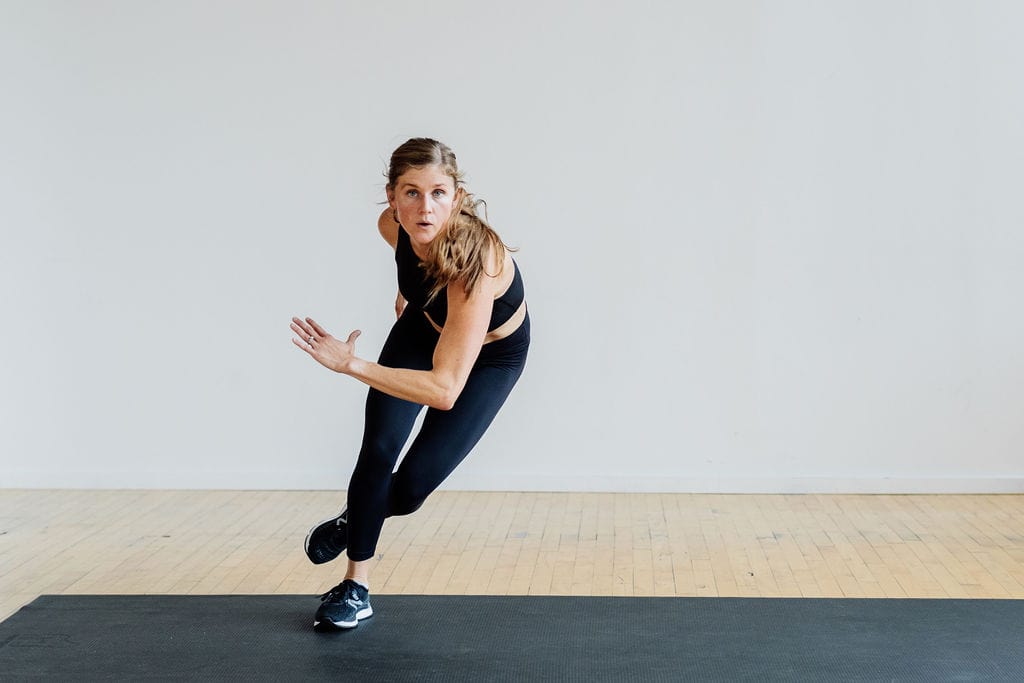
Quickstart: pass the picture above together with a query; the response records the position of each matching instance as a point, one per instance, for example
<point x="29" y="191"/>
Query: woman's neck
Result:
<point x="421" y="252"/>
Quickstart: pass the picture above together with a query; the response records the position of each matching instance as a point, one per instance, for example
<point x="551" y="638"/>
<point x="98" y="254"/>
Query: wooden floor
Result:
<point x="214" y="542"/>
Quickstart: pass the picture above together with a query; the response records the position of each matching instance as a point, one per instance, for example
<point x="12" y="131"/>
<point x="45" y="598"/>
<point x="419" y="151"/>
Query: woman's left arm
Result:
<point x="469" y="314"/>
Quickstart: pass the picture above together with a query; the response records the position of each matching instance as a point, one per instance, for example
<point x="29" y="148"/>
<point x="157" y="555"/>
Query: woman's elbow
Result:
<point x="444" y="401"/>
<point x="446" y="396"/>
<point x="442" y="404"/>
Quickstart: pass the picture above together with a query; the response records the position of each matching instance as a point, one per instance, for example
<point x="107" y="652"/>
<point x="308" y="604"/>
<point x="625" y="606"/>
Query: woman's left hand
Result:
<point x="325" y="349"/>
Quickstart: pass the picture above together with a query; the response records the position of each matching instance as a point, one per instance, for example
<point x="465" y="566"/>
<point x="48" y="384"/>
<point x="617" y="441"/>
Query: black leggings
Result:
<point x="376" y="491"/>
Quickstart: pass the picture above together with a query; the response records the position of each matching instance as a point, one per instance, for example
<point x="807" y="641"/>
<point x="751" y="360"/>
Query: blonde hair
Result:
<point x="462" y="246"/>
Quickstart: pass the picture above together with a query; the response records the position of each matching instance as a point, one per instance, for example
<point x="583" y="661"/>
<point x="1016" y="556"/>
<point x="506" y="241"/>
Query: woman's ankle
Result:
<point x="359" y="571"/>
<point x="361" y="580"/>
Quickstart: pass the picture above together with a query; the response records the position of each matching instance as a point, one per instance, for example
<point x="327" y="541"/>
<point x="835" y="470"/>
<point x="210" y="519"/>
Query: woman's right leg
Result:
<point x="388" y="422"/>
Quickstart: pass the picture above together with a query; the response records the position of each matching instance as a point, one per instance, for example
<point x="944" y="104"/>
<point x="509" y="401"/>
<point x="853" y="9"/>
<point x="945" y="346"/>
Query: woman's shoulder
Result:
<point x="388" y="227"/>
<point x="496" y="271"/>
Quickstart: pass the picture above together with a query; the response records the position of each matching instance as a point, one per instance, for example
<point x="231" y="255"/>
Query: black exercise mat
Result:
<point x="484" y="638"/>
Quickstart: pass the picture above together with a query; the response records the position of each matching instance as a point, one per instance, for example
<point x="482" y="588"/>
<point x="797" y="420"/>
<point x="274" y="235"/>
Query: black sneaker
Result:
<point x="328" y="539"/>
<point x="343" y="606"/>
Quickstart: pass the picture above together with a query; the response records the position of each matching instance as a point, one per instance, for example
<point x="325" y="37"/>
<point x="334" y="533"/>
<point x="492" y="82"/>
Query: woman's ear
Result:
<point x="391" y="197"/>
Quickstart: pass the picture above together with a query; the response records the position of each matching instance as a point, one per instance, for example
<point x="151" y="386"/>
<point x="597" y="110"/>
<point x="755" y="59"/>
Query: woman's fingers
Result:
<point x="301" y="328"/>
<point x="303" y="344"/>
<point x="316" y="328"/>
<point x="352" y="337"/>
<point x="304" y="335"/>
<point x="309" y="328"/>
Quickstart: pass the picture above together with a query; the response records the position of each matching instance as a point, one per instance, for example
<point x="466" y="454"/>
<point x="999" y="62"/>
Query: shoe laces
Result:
<point x="341" y="592"/>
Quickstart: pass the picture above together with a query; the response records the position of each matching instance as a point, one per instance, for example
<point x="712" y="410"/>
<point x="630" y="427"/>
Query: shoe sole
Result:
<point x="360" y="615"/>
<point x="305" y="545"/>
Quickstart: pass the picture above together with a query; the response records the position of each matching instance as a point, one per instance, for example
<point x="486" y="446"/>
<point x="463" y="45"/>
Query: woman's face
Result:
<point x="422" y="197"/>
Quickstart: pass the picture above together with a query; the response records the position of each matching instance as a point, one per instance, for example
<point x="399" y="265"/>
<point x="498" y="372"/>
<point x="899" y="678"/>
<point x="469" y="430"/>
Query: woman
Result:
<point x="458" y="347"/>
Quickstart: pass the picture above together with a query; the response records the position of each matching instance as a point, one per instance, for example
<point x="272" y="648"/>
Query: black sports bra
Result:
<point x="415" y="287"/>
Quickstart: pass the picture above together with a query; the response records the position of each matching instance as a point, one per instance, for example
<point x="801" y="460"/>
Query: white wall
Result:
<point x="767" y="246"/>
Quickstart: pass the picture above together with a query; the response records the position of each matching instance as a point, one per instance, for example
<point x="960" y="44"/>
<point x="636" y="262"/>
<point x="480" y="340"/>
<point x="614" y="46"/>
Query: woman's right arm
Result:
<point x="389" y="231"/>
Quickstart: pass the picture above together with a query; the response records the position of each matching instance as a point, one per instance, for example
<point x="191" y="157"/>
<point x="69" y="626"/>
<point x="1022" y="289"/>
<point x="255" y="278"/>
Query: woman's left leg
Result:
<point x="444" y="440"/>
<point x="447" y="437"/>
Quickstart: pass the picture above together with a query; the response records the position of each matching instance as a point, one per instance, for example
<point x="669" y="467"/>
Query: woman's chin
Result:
<point x="422" y="237"/>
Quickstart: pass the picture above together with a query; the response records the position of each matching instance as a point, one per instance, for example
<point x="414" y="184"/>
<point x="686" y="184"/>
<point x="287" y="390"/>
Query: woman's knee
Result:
<point x="406" y="495"/>
<point x="376" y="460"/>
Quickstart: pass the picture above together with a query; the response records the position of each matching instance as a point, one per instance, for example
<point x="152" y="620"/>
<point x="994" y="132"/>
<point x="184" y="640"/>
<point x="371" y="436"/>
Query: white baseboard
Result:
<point x="314" y="481"/>
<point x="749" y="484"/>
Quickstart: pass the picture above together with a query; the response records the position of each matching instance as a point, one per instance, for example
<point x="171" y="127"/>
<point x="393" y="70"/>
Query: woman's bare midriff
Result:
<point x="501" y="331"/>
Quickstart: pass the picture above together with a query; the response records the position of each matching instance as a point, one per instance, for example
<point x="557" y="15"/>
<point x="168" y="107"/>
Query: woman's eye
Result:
<point x="411" y="193"/>
<point x="438" y="193"/>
